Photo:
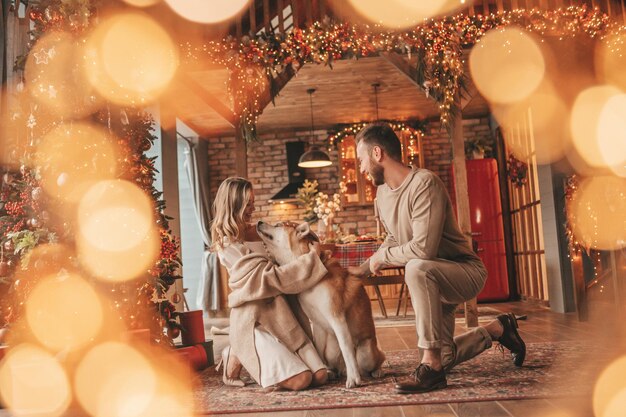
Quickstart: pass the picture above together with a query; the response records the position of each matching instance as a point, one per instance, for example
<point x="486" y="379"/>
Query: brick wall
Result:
<point x="267" y="170"/>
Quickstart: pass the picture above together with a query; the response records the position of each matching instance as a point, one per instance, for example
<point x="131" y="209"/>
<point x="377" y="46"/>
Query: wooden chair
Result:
<point x="391" y="276"/>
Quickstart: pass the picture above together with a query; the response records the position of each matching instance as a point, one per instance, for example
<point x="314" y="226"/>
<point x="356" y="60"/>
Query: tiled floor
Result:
<point x="604" y="325"/>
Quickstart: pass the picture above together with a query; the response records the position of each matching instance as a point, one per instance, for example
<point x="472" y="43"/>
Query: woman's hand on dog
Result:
<point x="359" y="271"/>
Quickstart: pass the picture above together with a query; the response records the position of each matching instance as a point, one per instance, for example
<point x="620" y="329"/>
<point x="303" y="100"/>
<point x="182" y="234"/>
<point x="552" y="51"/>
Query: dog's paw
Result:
<point x="378" y="373"/>
<point x="353" y="382"/>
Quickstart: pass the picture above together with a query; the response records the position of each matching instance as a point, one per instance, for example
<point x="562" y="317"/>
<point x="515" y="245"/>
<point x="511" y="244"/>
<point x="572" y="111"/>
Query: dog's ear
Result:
<point x="304" y="230"/>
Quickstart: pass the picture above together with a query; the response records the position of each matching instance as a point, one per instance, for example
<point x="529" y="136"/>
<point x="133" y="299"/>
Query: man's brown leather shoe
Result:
<point x="424" y="379"/>
<point x="511" y="339"/>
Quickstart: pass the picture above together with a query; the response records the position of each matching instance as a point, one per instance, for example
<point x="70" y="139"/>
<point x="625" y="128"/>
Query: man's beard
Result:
<point x="377" y="172"/>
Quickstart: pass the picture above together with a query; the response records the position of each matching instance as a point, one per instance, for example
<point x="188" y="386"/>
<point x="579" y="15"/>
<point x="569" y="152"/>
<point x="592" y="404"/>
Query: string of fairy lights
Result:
<point x="576" y="248"/>
<point x="436" y="47"/>
<point x="398" y="126"/>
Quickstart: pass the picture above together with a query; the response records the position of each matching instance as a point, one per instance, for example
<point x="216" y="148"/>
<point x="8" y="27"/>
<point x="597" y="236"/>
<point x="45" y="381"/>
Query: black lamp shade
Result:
<point x="314" y="158"/>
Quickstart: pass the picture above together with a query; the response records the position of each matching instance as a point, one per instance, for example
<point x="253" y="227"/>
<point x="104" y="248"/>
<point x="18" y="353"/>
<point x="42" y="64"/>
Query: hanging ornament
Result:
<point x="44" y="216"/>
<point x="8" y="245"/>
<point x="20" y="87"/>
<point x="36" y="193"/>
<point x="176" y="298"/>
<point x="34" y="222"/>
<point x="7" y="178"/>
<point x="173" y="332"/>
<point x="124" y="118"/>
<point x="32" y="122"/>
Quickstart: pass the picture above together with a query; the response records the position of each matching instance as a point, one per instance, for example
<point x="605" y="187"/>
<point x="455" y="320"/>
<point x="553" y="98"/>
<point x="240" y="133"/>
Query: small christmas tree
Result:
<point x="29" y="212"/>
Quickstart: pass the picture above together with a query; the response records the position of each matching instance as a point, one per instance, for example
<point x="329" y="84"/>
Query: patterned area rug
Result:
<point x="485" y="315"/>
<point x="490" y="376"/>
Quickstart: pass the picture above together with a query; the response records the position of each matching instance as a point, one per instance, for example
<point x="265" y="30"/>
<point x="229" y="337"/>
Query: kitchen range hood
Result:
<point x="287" y="194"/>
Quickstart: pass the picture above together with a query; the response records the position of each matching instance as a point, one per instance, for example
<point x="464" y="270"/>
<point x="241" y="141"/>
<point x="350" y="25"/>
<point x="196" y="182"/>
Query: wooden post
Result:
<point x="169" y="160"/>
<point x="281" y="17"/>
<point x="462" y="197"/>
<point x="241" y="152"/>
<point x="266" y="16"/>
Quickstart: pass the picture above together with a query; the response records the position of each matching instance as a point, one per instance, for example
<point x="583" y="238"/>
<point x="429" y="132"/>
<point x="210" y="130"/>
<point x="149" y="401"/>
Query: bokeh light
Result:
<point x="55" y="76"/>
<point x="402" y="13"/>
<point x="585" y="123"/>
<point x="74" y="156"/>
<point x="202" y="11"/>
<point x="609" y="394"/>
<point x="117" y="238"/>
<point x="10" y="149"/>
<point x="507" y="65"/>
<point x="142" y="3"/>
<point x="33" y="382"/>
<point x="545" y="111"/>
<point x="115" y="380"/>
<point x="64" y="312"/>
<point x="612" y="131"/>
<point x="130" y="59"/>
<point x="611" y="60"/>
<point x="597" y="213"/>
<point x="173" y="395"/>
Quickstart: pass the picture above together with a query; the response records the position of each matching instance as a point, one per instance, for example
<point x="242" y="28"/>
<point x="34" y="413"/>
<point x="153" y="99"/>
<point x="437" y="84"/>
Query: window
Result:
<point x="360" y="189"/>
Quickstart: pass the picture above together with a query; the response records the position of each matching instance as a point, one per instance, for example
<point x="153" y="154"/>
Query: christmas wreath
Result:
<point x="517" y="171"/>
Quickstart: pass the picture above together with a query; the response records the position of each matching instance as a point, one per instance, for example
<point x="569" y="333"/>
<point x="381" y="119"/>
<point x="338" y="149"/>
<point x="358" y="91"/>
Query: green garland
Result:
<point x="255" y="62"/>
<point x="414" y="127"/>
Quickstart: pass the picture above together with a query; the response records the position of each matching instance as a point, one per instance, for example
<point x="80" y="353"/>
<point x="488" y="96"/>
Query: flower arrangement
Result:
<point x="325" y="207"/>
<point x="477" y="145"/>
<point x="318" y="205"/>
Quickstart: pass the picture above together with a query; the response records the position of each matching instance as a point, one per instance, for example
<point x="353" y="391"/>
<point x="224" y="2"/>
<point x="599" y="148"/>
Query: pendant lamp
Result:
<point x="314" y="157"/>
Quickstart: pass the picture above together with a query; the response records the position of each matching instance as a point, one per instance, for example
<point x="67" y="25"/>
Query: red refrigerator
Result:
<point x="487" y="227"/>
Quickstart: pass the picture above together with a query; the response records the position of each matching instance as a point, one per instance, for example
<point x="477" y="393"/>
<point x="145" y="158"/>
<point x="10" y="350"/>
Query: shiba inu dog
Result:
<point x="338" y="306"/>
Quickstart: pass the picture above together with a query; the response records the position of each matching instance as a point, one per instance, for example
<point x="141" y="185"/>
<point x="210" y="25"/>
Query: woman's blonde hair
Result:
<point x="230" y="203"/>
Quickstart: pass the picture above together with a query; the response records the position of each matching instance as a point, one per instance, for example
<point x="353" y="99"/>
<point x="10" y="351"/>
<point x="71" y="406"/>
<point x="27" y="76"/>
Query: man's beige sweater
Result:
<point x="420" y="222"/>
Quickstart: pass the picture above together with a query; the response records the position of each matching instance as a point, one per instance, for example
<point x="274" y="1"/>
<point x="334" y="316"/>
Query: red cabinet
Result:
<point x="487" y="226"/>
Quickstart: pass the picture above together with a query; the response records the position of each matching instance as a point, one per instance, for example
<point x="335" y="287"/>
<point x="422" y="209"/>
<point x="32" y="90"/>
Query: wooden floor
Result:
<point x="542" y="325"/>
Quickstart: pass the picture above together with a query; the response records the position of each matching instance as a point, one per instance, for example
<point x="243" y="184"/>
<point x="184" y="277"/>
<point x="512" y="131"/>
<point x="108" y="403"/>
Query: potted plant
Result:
<point x="477" y="147"/>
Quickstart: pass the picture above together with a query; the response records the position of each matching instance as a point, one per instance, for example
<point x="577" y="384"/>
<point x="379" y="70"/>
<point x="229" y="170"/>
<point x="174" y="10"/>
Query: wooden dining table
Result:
<point x="354" y="254"/>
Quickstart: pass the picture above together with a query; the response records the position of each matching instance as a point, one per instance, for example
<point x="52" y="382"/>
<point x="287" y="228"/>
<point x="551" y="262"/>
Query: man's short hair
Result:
<point x="381" y="134"/>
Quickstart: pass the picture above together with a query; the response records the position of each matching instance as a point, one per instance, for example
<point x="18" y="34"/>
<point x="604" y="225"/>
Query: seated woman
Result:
<point x="265" y="335"/>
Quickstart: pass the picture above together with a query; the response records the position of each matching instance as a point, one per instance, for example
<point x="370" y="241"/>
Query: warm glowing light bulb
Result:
<point x="64" y="312"/>
<point x="142" y="3"/>
<point x="402" y="13"/>
<point x="33" y="382"/>
<point x="55" y="78"/>
<point x="598" y="208"/>
<point x="202" y="11"/>
<point x="545" y="111"/>
<point x="507" y="65"/>
<point x="115" y="380"/>
<point x="611" y="60"/>
<point x="118" y="239"/>
<point x="612" y="131"/>
<point x="586" y="127"/>
<point x="131" y="59"/>
<point x="609" y="394"/>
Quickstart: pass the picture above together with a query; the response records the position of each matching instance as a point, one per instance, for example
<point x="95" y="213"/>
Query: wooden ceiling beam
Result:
<point x="279" y="82"/>
<point x="469" y="95"/>
<point x="202" y="132"/>
<point x="211" y="100"/>
<point x="403" y="66"/>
